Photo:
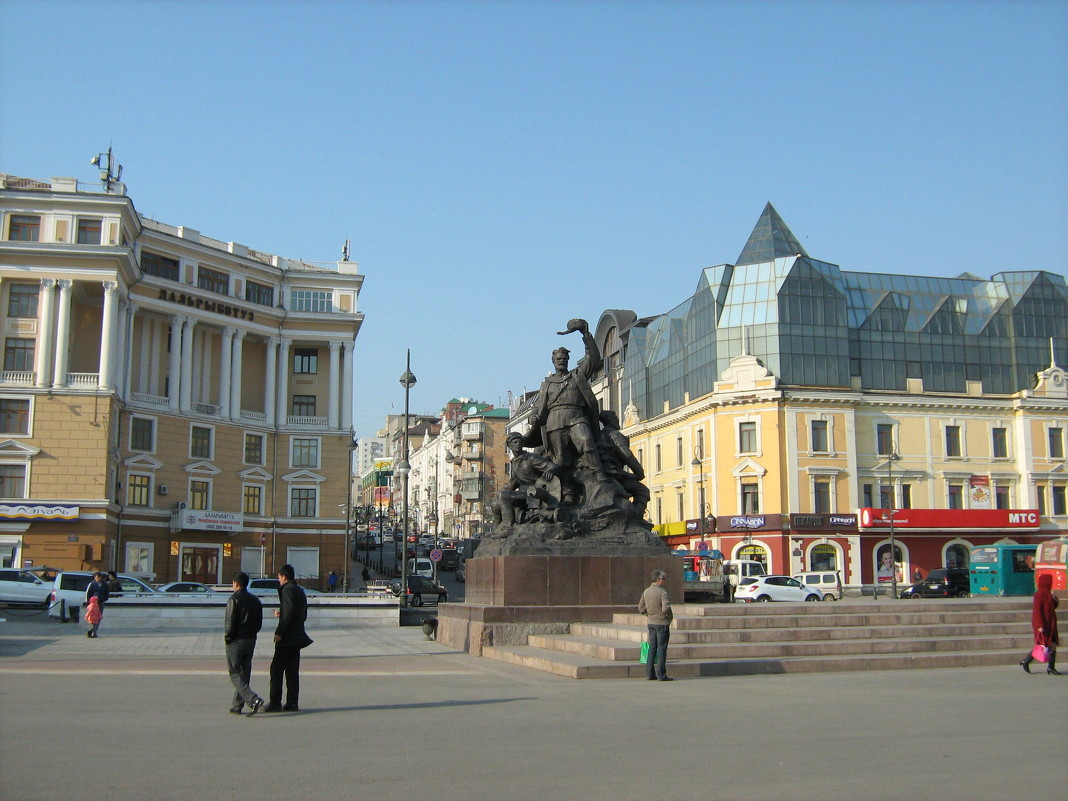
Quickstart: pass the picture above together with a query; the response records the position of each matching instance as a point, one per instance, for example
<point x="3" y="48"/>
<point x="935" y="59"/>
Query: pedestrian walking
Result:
<point x="98" y="589"/>
<point x="1044" y="624"/>
<point x="656" y="606"/>
<point x="331" y="582"/>
<point x="366" y="574"/>
<point x="92" y="616"/>
<point x="289" y="638"/>
<point x="244" y="619"/>
<point x="114" y="585"/>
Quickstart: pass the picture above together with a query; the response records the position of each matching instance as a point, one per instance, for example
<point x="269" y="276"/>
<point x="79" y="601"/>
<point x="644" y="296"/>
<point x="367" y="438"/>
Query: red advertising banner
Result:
<point x="950" y="518"/>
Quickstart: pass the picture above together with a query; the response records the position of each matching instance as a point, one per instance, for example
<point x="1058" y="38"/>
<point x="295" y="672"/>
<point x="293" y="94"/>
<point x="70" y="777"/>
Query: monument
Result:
<point x="570" y="542"/>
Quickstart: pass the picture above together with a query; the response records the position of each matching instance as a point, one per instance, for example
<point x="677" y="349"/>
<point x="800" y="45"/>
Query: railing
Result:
<point x="19" y="377"/>
<point x="83" y="380"/>
<point x="207" y="408"/>
<point x="148" y="400"/>
<point x="257" y="416"/>
<point x="296" y="421"/>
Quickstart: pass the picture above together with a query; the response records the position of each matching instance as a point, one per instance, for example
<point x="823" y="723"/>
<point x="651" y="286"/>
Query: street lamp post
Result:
<point x="407" y="381"/>
<point x="890" y="459"/>
<point x="698" y="462"/>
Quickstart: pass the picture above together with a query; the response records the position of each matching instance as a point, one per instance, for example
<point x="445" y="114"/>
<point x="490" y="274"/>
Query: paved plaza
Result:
<point x="142" y="714"/>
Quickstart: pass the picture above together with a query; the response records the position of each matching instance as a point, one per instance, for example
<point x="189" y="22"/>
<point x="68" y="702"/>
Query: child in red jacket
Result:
<point x="93" y="614"/>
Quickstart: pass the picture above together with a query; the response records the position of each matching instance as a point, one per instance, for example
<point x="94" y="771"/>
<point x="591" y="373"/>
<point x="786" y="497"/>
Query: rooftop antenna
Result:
<point x="110" y="174"/>
<point x="345" y="251"/>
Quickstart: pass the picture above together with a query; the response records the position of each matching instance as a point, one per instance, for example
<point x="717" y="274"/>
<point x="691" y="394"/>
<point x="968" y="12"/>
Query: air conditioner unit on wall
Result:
<point x="180" y="505"/>
<point x="161" y="489"/>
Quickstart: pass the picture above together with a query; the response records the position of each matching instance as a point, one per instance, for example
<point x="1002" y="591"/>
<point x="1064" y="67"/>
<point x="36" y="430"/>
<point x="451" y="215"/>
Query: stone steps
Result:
<point x="732" y="640"/>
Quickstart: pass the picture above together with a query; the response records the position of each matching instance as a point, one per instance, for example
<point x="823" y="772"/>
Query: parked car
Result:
<point x="828" y="582"/>
<point x="774" y="588"/>
<point x="25" y="586"/>
<point x="450" y="559"/>
<point x="419" y="586"/>
<point x="186" y="587"/>
<point x="421" y="567"/>
<point x="942" y="582"/>
<point x="269" y="587"/>
<point x="69" y="587"/>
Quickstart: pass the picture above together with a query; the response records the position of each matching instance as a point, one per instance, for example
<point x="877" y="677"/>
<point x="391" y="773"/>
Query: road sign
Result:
<point x="435" y="555"/>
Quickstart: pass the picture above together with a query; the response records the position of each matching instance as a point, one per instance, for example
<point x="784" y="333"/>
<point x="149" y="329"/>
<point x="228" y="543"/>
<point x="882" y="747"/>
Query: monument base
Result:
<point x="511" y="597"/>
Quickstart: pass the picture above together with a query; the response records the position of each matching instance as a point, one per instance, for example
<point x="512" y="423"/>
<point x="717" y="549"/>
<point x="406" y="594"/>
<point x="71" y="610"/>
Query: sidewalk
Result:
<point x="385" y="714"/>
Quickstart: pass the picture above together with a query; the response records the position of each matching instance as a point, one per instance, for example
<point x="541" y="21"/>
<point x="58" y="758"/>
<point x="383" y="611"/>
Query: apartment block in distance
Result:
<point x="173" y="406"/>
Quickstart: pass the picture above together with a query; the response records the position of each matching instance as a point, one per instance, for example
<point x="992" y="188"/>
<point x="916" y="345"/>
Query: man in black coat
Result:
<point x="244" y="618"/>
<point x="289" y="638"/>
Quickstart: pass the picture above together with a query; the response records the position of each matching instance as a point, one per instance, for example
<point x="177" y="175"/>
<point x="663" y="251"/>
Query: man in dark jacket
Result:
<point x="289" y="638"/>
<point x="244" y="618"/>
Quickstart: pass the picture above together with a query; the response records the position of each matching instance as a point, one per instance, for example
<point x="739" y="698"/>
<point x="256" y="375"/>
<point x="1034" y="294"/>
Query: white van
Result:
<point x="738" y="569"/>
<point x="828" y="582"/>
<point x="421" y="567"/>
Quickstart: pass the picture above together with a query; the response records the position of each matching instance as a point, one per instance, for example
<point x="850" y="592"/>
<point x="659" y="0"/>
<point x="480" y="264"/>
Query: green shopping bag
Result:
<point x="644" y="659"/>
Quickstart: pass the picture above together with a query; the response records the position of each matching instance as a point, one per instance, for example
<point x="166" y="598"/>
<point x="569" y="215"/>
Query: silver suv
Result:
<point x="25" y="586"/>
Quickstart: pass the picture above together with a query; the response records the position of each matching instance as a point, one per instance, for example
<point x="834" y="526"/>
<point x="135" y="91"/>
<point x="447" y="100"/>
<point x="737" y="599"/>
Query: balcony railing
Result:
<point x="83" y="380"/>
<point x="20" y="378"/>
<point x="298" y="421"/>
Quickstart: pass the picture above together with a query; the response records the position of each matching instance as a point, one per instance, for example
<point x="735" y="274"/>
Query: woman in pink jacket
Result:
<point x="1044" y="623"/>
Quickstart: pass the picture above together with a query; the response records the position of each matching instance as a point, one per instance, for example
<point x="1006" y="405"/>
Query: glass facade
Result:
<point x="812" y="324"/>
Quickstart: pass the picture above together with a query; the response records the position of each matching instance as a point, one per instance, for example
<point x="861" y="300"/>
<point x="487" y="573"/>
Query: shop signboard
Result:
<point x="937" y="519"/>
<point x="823" y="522"/>
<point x="742" y="523"/>
<point x="204" y="520"/>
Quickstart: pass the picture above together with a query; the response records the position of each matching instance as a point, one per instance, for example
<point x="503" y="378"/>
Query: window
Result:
<point x="88" y="232"/>
<point x="1001" y="497"/>
<point x="659" y="467"/>
<point x="252" y="502"/>
<point x="22" y="300"/>
<point x="952" y="441"/>
<point x="311" y="300"/>
<point x="305" y="360"/>
<point x="819" y="436"/>
<point x="24" y="228"/>
<point x="142" y="434"/>
<point x="302" y="502"/>
<point x="138" y="490"/>
<point x="12" y="481"/>
<point x="906" y="496"/>
<point x="259" y="293"/>
<point x="821" y="497"/>
<point x="1058" y="492"/>
<point x="18" y="354"/>
<point x="200" y="442"/>
<point x="999" y="443"/>
<point x="138" y="557"/>
<point x="868" y="497"/>
<point x="680" y="504"/>
<point x="678" y="454"/>
<point x="213" y="280"/>
<point x="1040" y="499"/>
<point x="886" y="496"/>
<point x="750" y="499"/>
<point x="884" y="439"/>
<point x="254" y="448"/>
<point x="304" y="405"/>
<point x="305" y="452"/>
<point x="1056" y="443"/>
<point x="14" y="416"/>
<point x="955" y="496"/>
<point x="199" y="494"/>
<point x="161" y="266"/>
<point x="747" y="439"/>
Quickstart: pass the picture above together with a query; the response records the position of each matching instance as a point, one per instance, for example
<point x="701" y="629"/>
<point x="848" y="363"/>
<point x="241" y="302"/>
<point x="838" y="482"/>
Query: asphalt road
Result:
<point x="387" y="715"/>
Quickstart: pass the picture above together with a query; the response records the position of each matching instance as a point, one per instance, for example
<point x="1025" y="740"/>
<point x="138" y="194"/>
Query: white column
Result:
<point x="283" y="382"/>
<point x="107" y="335"/>
<point x="185" y="390"/>
<point x="174" y="368"/>
<point x="235" y="375"/>
<point x="333" y="399"/>
<point x="225" y="374"/>
<point x="270" y="392"/>
<point x="346" y="384"/>
<point x="45" y="328"/>
<point x="59" y="375"/>
<point x="127" y="351"/>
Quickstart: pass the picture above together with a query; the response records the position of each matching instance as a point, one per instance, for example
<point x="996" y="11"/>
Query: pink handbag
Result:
<point x="1040" y="652"/>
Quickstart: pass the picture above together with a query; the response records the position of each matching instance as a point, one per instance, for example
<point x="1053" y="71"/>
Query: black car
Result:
<point x="943" y="582"/>
<point x="418" y="586"/>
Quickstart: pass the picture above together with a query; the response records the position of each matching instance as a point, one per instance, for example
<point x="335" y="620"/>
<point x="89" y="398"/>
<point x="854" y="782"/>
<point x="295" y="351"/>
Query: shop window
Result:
<point x="952" y="441"/>
<point x="138" y="557"/>
<point x="18" y="354"/>
<point x="957" y="555"/>
<point x="819" y="438"/>
<point x="138" y="489"/>
<point x="24" y="228"/>
<point x="999" y="443"/>
<point x="89" y="232"/>
<point x="823" y="557"/>
<point x="22" y="300"/>
<point x="14" y="416"/>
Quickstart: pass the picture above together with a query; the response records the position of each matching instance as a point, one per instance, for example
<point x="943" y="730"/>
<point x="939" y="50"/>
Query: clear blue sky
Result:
<point x="501" y="167"/>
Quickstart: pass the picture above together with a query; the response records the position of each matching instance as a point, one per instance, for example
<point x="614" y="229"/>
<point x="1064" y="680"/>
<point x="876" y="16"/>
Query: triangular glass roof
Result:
<point x="771" y="239"/>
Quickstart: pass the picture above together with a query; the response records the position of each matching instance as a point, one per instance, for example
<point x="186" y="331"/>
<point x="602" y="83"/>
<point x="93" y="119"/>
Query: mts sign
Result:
<point x="1023" y="518"/>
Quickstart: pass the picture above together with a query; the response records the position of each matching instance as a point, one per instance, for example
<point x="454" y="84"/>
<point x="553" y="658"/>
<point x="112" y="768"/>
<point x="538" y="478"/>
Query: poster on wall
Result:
<point x="889" y="568"/>
<point x="979" y="489"/>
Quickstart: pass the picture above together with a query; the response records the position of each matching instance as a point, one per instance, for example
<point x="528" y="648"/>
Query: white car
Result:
<point x="268" y="587"/>
<point x="186" y="587"/>
<point x="24" y="586"/>
<point x="69" y="587"/>
<point x="774" y="588"/>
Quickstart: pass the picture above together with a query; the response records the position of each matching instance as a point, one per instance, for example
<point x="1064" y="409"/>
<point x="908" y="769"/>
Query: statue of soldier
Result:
<point x="525" y="487"/>
<point x="619" y="462"/>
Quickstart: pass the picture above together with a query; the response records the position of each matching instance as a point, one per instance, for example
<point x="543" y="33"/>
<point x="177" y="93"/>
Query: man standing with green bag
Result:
<point x="656" y="607"/>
